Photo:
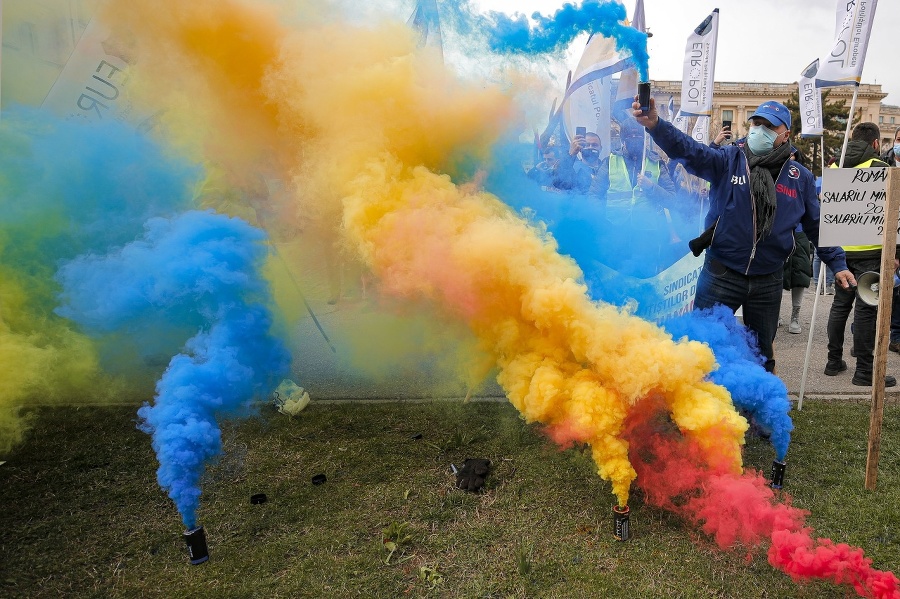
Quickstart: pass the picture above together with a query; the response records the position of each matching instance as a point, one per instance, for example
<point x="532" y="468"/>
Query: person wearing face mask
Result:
<point x="758" y="196"/>
<point x="582" y="170"/>
<point x="862" y="152"/>
<point x="892" y="156"/>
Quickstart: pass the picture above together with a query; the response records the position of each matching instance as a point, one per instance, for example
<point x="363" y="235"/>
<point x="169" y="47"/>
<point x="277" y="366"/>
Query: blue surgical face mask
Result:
<point x="897" y="151"/>
<point x="761" y="139"/>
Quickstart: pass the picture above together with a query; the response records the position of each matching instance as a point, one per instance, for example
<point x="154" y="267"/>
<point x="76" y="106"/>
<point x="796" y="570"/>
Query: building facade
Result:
<point x="735" y="102"/>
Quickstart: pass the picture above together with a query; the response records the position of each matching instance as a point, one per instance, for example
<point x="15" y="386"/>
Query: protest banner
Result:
<point x="852" y="206"/>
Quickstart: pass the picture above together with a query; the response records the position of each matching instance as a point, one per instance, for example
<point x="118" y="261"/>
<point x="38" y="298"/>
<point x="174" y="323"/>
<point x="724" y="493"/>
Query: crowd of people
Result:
<point x="761" y="206"/>
<point x="636" y="188"/>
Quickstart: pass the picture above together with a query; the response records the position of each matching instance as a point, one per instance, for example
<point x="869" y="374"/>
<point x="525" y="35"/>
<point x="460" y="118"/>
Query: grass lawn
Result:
<point x="83" y="516"/>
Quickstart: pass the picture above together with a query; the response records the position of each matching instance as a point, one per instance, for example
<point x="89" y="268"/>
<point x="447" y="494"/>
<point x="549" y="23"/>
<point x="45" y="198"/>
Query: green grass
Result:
<point x="83" y="517"/>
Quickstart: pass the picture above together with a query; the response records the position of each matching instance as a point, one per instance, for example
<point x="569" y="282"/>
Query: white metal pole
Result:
<point x="812" y="327"/>
<point x="849" y="125"/>
<point x="822" y="153"/>
<point x="819" y="286"/>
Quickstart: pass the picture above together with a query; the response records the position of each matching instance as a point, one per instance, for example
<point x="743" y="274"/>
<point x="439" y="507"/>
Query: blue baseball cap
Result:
<point x="774" y="112"/>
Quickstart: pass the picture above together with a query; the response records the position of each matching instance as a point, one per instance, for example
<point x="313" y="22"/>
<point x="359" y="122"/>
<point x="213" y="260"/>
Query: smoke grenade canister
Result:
<point x="777" y="474"/>
<point x="644" y="96"/>
<point x="621" y="525"/>
<point x="196" y="542"/>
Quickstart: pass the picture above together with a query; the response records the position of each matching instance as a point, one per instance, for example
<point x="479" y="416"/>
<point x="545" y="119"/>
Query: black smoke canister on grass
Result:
<point x="621" y="524"/>
<point x="196" y="542"/>
<point x="777" y="474"/>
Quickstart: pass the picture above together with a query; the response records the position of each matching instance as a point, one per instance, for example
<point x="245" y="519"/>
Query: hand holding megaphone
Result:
<point x="868" y="284"/>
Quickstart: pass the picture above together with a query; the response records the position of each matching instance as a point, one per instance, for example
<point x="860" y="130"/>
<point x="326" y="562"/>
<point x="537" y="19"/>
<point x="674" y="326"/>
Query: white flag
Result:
<point x="681" y="122"/>
<point x="91" y="85"/>
<point x="425" y="20"/>
<point x="587" y="101"/>
<point x="811" y="121"/>
<point x="843" y="65"/>
<point x="700" y="67"/>
<point x="700" y="132"/>
<point x="638" y="21"/>
<point x="628" y="82"/>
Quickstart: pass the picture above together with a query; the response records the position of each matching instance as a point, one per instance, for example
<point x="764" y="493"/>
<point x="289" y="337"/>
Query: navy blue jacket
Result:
<point x="734" y="243"/>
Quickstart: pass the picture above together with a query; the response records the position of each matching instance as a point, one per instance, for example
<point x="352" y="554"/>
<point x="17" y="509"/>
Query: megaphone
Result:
<point x="867" y="286"/>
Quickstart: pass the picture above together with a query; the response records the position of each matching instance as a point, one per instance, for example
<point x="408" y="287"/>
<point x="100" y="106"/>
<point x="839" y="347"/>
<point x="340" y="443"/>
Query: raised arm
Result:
<point x="699" y="159"/>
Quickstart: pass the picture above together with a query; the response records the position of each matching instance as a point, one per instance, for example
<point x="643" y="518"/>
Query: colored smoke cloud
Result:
<point x="401" y="125"/>
<point x="594" y="236"/>
<point x="760" y="394"/>
<point x="66" y="187"/>
<point x="515" y="34"/>
<point x="199" y="271"/>
<point x="741" y="510"/>
<point x="370" y="131"/>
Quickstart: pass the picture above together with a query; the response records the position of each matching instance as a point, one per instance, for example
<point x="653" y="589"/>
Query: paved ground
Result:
<point x="328" y="375"/>
<point x="790" y="352"/>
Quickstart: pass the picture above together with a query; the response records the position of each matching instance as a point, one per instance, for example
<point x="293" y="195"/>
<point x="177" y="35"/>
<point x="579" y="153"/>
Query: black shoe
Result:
<point x="835" y="368"/>
<point x="894" y="346"/>
<point x="865" y="380"/>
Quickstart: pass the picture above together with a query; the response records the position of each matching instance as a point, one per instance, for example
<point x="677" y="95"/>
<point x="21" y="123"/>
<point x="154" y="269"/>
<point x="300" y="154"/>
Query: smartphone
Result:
<point x="727" y="124"/>
<point x="582" y="131"/>
<point x="644" y="96"/>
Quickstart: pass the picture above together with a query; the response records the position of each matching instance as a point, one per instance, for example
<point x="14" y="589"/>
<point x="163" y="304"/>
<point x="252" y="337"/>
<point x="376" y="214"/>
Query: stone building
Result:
<point x="735" y="102"/>
<point x="889" y="122"/>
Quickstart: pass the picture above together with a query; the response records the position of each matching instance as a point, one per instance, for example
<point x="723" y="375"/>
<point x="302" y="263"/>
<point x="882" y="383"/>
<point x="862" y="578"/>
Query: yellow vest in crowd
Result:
<point x="620" y="187"/>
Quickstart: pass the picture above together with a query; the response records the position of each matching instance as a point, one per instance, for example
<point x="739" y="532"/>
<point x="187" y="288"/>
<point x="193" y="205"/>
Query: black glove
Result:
<point x="699" y="244"/>
<point x="471" y="476"/>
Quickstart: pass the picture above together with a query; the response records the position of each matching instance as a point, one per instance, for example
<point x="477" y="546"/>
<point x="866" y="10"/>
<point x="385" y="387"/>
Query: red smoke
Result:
<point x="740" y="510"/>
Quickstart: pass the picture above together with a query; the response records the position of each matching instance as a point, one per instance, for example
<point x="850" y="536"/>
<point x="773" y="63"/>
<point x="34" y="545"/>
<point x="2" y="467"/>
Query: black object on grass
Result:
<point x="196" y="542"/>
<point x="777" y="474"/>
<point x="319" y="479"/>
<point x="472" y="475"/>
<point x="258" y="498"/>
<point x="621" y="524"/>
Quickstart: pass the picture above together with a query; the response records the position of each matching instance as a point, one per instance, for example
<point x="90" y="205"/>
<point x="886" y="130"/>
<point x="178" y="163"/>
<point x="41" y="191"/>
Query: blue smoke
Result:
<point x="69" y="187"/>
<point x="515" y="35"/>
<point x="758" y="394"/>
<point x="605" y="246"/>
<point x="199" y="271"/>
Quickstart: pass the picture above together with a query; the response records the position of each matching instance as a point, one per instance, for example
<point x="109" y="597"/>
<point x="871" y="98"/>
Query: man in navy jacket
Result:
<point x="758" y="196"/>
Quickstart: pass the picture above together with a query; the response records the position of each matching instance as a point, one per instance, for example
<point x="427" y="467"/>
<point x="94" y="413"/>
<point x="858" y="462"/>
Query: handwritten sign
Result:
<point x="852" y="206"/>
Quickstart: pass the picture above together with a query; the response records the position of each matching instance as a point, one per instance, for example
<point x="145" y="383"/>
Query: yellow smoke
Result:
<point x="369" y="131"/>
<point x="42" y="362"/>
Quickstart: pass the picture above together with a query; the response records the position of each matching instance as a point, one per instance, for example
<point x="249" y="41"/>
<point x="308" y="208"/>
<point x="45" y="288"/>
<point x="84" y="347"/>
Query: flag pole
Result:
<point x="822" y="269"/>
<point x="812" y="326"/>
<point x="849" y="124"/>
<point x="820" y="284"/>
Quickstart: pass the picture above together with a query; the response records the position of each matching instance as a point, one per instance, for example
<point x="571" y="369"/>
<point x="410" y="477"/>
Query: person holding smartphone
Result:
<point x="758" y="196"/>
<point x="723" y="136"/>
<point x="582" y="170"/>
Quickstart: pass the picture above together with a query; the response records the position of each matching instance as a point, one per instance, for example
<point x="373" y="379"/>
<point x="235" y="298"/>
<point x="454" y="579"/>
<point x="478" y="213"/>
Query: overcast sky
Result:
<point x="759" y="40"/>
